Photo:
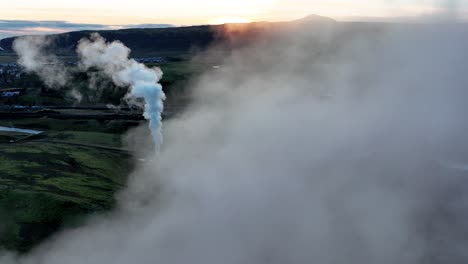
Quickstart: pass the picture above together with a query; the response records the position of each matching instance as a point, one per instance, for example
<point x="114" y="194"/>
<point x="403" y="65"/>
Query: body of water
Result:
<point x="19" y="130"/>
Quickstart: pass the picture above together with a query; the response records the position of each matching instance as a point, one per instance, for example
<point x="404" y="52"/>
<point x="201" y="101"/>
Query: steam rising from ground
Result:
<point x="110" y="58"/>
<point x="34" y="58"/>
<point x="113" y="60"/>
<point x="343" y="145"/>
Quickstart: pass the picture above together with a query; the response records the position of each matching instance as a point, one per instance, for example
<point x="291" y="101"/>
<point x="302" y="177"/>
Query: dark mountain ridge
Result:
<point x="173" y="39"/>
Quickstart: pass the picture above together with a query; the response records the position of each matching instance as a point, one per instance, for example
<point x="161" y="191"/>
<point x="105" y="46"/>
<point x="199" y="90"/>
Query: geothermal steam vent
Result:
<point x="113" y="60"/>
<point x="110" y="58"/>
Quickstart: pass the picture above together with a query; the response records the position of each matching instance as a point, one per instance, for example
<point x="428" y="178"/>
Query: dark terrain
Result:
<point x="177" y="40"/>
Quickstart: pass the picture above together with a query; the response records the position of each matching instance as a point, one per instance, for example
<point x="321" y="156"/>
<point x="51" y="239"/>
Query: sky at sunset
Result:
<point x="51" y="16"/>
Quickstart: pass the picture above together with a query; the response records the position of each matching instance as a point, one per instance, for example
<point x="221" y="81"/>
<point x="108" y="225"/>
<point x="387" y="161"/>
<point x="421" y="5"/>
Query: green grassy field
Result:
<point x="46" y="186"/>
<point x="53" y="125"/>
<point x="57" y="179"/>
<point x="7" y="58"/>
<point x="95" y="138"/>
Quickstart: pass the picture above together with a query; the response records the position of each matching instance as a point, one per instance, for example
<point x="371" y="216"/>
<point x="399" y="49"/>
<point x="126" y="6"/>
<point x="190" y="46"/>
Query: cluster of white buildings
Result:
<point x="151" y="60"/>
<point x="9" y="71"/>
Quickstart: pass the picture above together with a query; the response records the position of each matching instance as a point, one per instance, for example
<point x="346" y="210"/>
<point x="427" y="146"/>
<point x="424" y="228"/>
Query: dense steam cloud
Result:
<point x="342" y="145"/>
<point x="34" y="58"/>
<point x="113" y="60"/>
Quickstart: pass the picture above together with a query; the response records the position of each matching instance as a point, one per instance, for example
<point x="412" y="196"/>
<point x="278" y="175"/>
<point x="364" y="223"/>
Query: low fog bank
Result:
<point x="323" y="147"/>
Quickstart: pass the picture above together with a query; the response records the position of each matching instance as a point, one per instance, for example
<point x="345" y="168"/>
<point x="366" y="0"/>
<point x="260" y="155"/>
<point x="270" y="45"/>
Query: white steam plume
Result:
<point x="76" y="95"/>
<point x="113" y="60"/>
<point x="33" y="58"/>
<point x="316" y="147"/>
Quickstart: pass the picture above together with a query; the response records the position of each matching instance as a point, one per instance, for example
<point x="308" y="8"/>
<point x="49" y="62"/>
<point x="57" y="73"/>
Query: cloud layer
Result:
<point x="9" y="28"/>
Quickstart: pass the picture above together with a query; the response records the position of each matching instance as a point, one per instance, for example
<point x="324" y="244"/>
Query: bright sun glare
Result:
<point x="225" y="20"/>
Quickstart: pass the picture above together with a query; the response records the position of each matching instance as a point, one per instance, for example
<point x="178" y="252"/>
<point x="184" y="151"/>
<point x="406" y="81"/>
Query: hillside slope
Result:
<point x="174" y="39"/>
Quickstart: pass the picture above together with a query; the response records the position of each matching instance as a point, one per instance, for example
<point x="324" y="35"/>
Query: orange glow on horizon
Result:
<point x="229" y="20"/>
<point x="184" y="12"/>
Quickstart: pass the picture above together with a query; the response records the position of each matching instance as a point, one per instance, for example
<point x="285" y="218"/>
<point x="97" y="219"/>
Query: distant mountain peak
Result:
<point x="316" y="19"/>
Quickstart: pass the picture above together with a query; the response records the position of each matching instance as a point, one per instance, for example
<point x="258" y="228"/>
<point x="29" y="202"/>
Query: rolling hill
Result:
<point x="175" y="39"/>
